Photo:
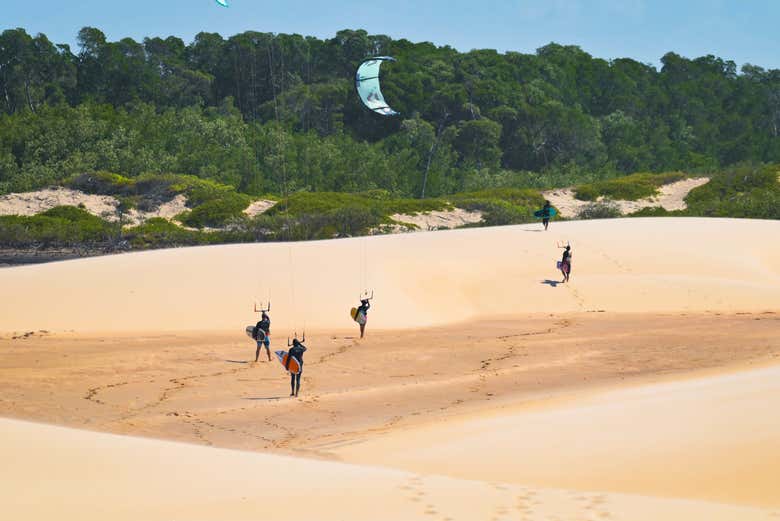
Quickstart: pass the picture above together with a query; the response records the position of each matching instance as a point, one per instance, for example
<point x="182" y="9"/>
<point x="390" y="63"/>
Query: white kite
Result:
<point x="367" y="83"/>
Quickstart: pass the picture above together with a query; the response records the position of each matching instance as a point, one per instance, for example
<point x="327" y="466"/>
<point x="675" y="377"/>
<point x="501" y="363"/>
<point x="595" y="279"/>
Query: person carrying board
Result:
<point x="546" y="214"/>
<point x="360" y="314"/>
<point x="262" y="332"/>
<point x="565" y="264"/>
<point x="296" y="351"/>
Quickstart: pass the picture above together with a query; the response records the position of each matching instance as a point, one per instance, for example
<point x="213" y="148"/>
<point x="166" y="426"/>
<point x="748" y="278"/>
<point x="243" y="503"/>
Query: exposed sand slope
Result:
<point x="104" y="206"/>
<point x="33" y="203"/>
<point x="670" y="197"/>
<point x="56" y="473"/>
<point x="642" y="265"/>
<point x="715" y="439"/>
<point x="440" y="220"/>
<point x="259" y="207"/>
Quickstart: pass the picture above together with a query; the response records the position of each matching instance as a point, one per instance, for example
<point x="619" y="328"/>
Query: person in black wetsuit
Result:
<point x="365" y="305"/>
<point x="566" y="263"/>
<point x="296" y="350"/>
<point x="546" y="210"/>
<point x="263" y="339"/>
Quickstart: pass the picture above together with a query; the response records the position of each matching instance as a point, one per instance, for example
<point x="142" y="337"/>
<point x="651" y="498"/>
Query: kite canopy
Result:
<point x="367" y="83"/>
<point x="223" y="3"/>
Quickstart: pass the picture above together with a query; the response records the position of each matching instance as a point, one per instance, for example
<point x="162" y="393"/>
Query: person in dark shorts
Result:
<point x="546" y="211"/>
<point x="262" y="335"/>
<point x="296" y="350"/>
<point x="362" y="314"/>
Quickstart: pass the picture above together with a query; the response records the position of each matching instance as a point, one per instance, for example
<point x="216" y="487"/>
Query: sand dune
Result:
<point x="638" y="265"/>
<point x="485" y="390"/>
<point x="50" y="472"/>
<point x="715" y="438"/>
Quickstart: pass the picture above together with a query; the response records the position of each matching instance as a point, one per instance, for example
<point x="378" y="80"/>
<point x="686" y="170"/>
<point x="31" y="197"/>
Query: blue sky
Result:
<point x="746" y="31"/>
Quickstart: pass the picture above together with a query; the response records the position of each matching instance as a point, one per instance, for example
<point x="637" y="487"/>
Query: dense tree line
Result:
<point x="267" y="112"/>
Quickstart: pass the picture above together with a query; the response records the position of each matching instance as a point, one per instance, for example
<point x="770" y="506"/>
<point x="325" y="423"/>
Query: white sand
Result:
<point x="259" y="207"/>
<point x="55" y="473"/>
<point x="671" y="197"/>
<point x="641" y="265"/>
<point x="439" y="219"/>
<point x="103" y="206"/>
<point x="714" y="438"/>
<point x="689" y="448"/>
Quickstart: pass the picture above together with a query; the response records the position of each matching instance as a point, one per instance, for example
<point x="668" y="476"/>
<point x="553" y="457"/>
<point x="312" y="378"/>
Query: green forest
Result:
<point x="226" y="120"/>
<point x="269" y="113"/>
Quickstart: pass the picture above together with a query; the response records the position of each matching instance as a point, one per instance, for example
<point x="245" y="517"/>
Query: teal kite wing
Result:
<point x="368" y="88"/>
<point x="223" y="3"/>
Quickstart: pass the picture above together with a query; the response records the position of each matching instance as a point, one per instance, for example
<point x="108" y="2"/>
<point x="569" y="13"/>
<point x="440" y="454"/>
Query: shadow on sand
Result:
<point x="268" y="399"/>
<point x="552" y="283"/>
<point x="236" y="362"/>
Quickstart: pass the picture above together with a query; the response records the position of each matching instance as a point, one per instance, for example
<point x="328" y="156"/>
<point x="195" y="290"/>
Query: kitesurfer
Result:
<point x="566" y="263"/>
<point x="546" y="211"/>
<point x="262" y="334"/>
<point x="296" y="350"/>
<point x="362" y="315"/>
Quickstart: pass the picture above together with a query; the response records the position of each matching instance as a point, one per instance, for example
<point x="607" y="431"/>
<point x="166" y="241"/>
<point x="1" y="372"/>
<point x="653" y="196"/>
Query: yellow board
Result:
<point x="353" y="313"/>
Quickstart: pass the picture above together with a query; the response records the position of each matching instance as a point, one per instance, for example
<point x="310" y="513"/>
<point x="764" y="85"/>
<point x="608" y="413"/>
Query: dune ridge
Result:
<point x="421" y="280"/>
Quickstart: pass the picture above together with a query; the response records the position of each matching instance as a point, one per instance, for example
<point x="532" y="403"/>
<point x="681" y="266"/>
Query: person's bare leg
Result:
<point x="362" y="330"/>
<point x="257" y="354"/>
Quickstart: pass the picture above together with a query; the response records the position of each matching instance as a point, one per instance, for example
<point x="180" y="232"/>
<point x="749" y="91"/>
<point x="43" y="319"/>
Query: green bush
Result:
<point x="746" y="191"/>
<point x="60" y="226"/>
<point x="355" y="220"/>
<point x="655" y="211"/>
<point x="102" y="183"/>
<point x="599" y="211"/>
<point x="159" y="232"/>
<point x="217" y="212"/>
<point x="628" y="188"/>
<point x="309" y="203"/>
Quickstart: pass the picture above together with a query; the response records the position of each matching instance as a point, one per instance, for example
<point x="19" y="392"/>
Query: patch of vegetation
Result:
<point x="159" y="232"/>
<point x="212" y="203"/>
<point x="59" y="227"/>
<point x="380" y="201"/>
<point x="599" y="211"/>
<point x="501" y="206"/>
<point x="747" y="191"/>
<point x="216" y="212"/>
<point x="628" y="188"/>
<point x="656" y="211"/>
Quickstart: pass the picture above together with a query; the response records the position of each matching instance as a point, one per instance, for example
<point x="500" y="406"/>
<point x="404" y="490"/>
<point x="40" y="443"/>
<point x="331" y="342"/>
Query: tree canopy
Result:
<point x="266" y="113"/>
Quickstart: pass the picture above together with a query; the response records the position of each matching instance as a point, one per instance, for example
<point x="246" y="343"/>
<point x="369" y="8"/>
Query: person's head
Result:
<point x="547" y="203"/>
<point x="296" y="342"/>
<point x="568" y="247"/>
<point x="265" y="315"/>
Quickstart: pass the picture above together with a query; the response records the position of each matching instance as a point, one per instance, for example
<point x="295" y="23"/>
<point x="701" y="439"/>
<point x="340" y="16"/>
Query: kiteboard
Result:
<point x="260" y="333"/>
<point x="295" y="365"/>
<point x="539" y="214"/>
<point x="360" y="318"/>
